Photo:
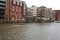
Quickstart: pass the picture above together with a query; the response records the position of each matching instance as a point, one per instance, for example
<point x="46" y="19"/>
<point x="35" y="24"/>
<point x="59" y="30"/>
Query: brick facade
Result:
<point x="13" y="11"/>
<point x="57" y="15"/>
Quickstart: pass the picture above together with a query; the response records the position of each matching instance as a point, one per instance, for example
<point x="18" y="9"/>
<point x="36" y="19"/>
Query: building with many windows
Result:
<point x="46" y="14"/>
<point x="57" y="16"/>
<point x="2" y="9"/>
<point x="15" y="11"/>
<point x="34" y="12"/>
<point x="29" y="15"/>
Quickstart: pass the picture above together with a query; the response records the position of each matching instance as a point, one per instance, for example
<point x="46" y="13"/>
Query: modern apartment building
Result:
<point x="2" y="9"/>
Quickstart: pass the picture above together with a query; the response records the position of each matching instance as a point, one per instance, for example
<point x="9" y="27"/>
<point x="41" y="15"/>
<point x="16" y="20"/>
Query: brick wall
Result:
<point x="13" y="11"/>
<point x="57" y="15"/>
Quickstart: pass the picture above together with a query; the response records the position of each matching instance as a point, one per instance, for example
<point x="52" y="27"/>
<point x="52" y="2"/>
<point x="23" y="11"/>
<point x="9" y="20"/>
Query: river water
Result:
<point x="30" y="31"/>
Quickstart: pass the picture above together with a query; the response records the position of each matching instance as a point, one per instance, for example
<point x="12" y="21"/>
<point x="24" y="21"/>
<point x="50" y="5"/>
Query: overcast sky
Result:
<point x="54" y="4"/>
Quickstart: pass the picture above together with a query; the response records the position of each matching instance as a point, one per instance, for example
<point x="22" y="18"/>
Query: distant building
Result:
<point x="34" y="11"/>
<point x="29" y="12"/>
<point x="45" y="13"/>
<point x="52" y="15"/>
<point x="2" y="9"/>
<point x="57" y="15"/>
<point x="29" y="15"/>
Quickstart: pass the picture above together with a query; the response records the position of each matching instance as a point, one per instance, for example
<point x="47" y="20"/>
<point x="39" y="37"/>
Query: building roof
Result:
<point x="42" y="7"/>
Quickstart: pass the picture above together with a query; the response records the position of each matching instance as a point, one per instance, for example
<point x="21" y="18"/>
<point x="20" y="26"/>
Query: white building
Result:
<point x="34" y="10"/>
<point x="29" y="14"/>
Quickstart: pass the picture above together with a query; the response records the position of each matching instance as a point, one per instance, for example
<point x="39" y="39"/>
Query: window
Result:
<point x="20" y="4"/>
<point x="19" y="10"/>
<point x="14" y="2"/>
<point x="2" y="4"/>
<point x="16" y="18"/>
<point x="13" y="8"/>
<point x="12" y="18"/>
<point x="12" y="14"/>
<point x="20" y="17"/>
<point x="16" y="8"/>
<point x="17" y="2"/>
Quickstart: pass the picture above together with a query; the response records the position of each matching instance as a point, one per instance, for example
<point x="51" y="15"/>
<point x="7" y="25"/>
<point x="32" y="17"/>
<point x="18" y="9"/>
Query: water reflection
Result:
<point x="31" y="31"/>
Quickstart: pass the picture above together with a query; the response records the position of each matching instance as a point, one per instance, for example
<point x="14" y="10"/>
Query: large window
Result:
<point x="2" y="13"/>
<point x="17" y="9"/>
<point x="14" y="1"/>
<point x="2" y="4"/>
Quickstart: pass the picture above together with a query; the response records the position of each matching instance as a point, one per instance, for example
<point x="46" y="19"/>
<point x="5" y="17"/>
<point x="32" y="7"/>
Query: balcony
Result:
<point x="2" y="4"/>
<point x="2" y="8"/>
<point x="2" y="1"/>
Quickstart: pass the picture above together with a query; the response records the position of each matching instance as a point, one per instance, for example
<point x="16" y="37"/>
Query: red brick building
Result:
<point x="14" y="11"/>
<point x="57" y="15"/>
